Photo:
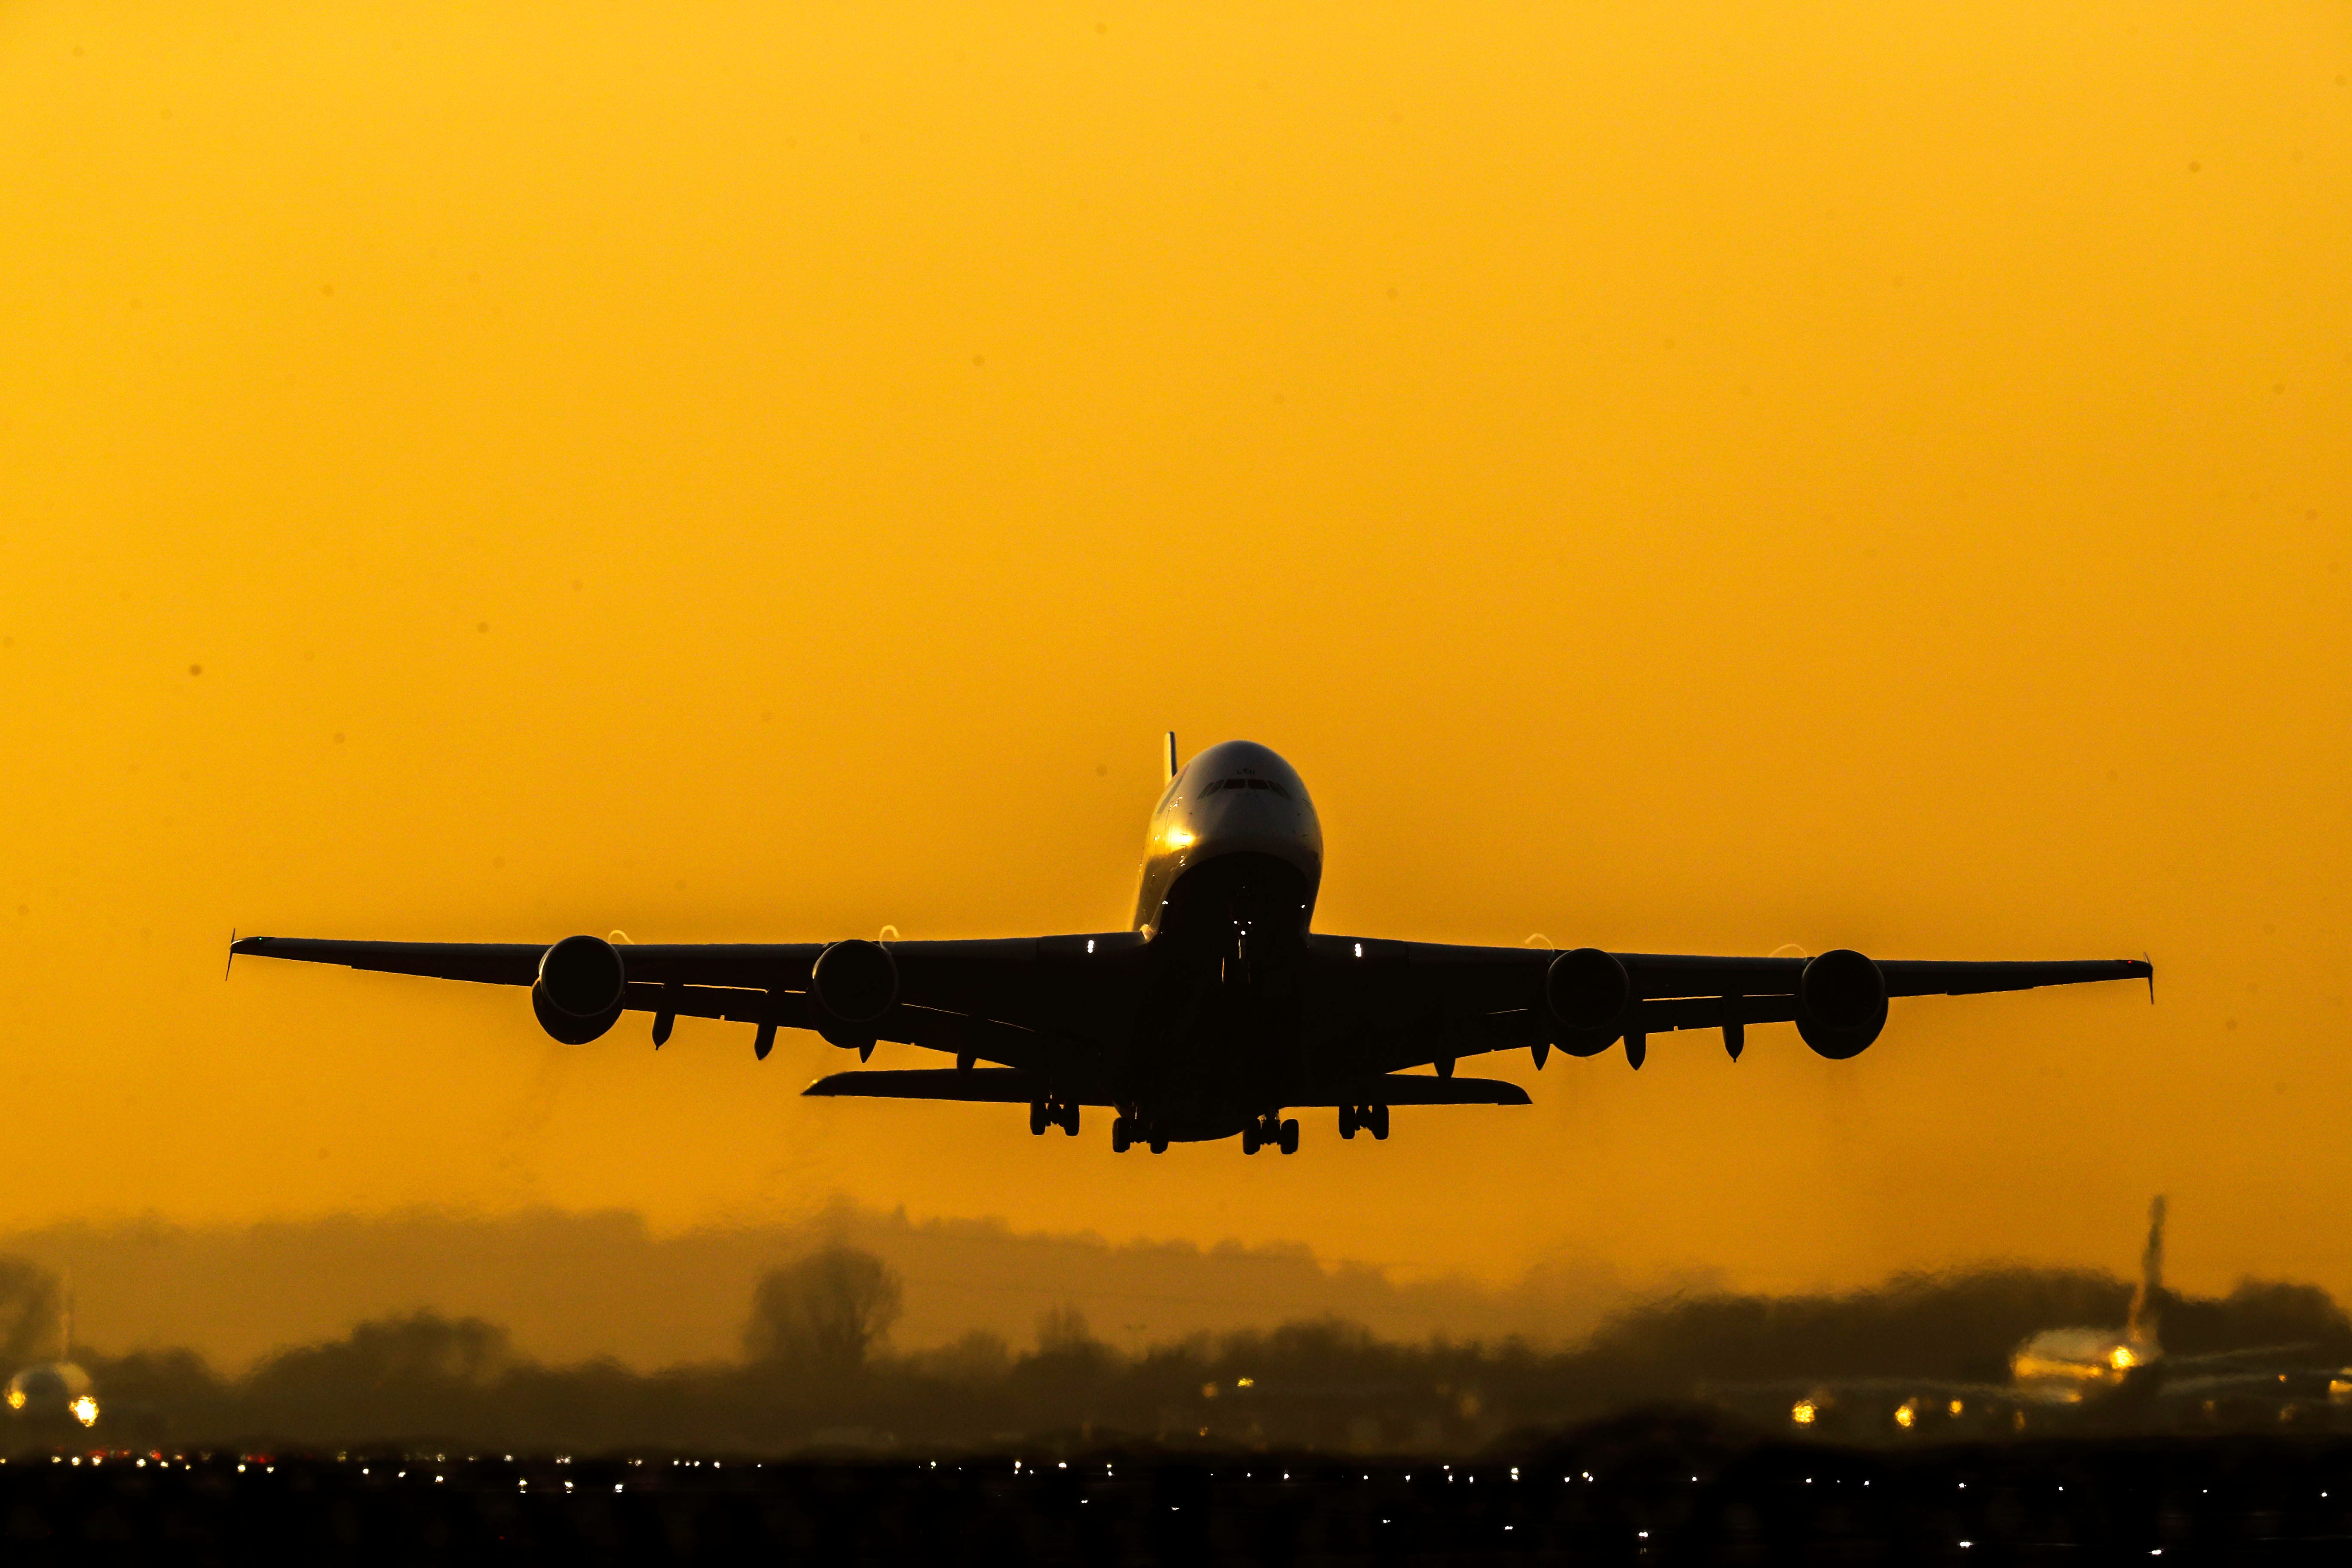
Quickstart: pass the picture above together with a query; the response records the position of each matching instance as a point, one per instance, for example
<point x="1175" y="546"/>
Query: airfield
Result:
<point x="1655" y="1486"/>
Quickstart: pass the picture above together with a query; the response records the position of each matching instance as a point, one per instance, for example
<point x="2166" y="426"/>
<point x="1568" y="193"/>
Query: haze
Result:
<point x="1682" y="478"/>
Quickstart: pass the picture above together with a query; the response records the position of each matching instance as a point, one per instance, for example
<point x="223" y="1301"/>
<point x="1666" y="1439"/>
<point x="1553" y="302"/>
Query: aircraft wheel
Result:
<point x="1290" y="1137"/>
<point x="1070" y="1120"/>
<point x="1160" y="1145"/>
<point x="1249" y="1139"/>
<point x="1122" y="1134"/>
<point x="1381" y="1122"/>
<point x="1036" y="1119"/>
<point x="1347" y="1122"/>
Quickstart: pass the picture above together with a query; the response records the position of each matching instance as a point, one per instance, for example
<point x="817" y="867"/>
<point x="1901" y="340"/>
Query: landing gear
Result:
<point x="1376" y="1119"/>
<point x="1070" y="1120"/>
<point x="1045" y="1113"/>
<point x="1122" y="1134"/>
<point x="1270" y="1132"/>
<point x="1160" y="1145"/>
<point x="1348" y="1122"/>
<point x="1036" y="1119"/>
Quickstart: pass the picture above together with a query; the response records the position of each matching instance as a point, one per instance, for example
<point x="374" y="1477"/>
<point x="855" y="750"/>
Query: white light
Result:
<point x="1360" y="949"/>
<point x="616" y="1486"/>
<point x="1090" y="944"/>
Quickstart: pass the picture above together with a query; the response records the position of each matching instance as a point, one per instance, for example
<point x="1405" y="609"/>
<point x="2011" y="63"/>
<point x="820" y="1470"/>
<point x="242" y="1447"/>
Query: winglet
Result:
<point x="232" y="954"/>
<point x="1169" y="759"/>
<point x="2151" y="978"/>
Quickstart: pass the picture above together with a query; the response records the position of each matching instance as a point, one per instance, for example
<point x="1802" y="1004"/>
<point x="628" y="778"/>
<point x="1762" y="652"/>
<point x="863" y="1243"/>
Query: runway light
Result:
<point x="2122" y="1359"/>
<point x="16" y="1399"/>
<point x="1958" y="1407"/>
<point x="85" y="1410"/>
<point x="1803" y="1412"/>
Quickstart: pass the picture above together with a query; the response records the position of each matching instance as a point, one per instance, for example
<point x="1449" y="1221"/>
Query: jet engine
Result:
<point x="1840" y="1004"/>
<point x="856" y="981"/>
<point x="1589" y="994"/>
<point x="578" y="994"/>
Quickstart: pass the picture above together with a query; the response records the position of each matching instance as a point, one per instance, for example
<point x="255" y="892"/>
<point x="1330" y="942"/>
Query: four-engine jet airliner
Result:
<point x="1221" y="1008"/>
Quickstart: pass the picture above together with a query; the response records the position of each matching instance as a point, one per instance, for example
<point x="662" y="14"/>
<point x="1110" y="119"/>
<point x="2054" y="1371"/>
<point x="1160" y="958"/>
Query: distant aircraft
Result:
<point x="1220" y="1009"/>
<point x="2064" y="1366"/>
<point x="51" y="1392"/>
<point x="2097" y="1370"/>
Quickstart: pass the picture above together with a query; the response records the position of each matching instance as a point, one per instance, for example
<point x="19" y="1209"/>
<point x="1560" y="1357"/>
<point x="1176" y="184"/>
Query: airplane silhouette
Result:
<point x="1219" y="1009"/>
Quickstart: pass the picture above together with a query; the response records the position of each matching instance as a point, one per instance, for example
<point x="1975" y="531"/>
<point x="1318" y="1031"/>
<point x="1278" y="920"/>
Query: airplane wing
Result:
<point x="1015" y="1001"/>
<point x="1049" y="1006"/>
<point x="1419" y="1001"/>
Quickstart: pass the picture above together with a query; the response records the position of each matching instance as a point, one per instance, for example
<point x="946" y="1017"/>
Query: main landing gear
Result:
<point x="1373" y="1119"/>
<point x="1045" y="1113"/>
<point x="1127" y="1131"/>
<point x="1270" y="1132"/>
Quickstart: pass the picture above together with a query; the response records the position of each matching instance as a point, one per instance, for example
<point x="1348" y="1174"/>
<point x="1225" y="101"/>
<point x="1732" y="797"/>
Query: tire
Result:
<point x="1160" y="1145"/>
<point x="1036" y="1119"/>
<point x="1290" y="1136"/>
<point x="1347" y="1122"/>
<point x="1070" y="1120"/>
<point x="1122" y="1134"/>
<point x="1381" y="1122"/>
<point x="1249" y="1139"/>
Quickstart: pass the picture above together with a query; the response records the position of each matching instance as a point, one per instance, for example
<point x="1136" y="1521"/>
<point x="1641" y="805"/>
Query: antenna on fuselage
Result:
<point x="1169" y="759"/>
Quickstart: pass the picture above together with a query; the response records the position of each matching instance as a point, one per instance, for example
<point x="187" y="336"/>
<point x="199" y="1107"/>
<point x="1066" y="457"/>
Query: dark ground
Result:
<point x="1658" y="1488"/>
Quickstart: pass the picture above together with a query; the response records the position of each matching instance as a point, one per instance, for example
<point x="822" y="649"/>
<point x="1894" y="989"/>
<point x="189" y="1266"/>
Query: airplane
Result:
<point x="51" y="1392"/>
<point x="1219" y="1009"/>
<point x="2094" y="1372"/>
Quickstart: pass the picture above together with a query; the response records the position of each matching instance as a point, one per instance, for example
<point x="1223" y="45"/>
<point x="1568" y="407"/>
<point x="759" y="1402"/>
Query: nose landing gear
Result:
<point x="1373" y="1119"/>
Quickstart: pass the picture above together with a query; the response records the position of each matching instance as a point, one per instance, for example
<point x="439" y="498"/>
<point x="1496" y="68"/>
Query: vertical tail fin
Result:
<point x="1169" y="757"/>
<point x="2147" y="1299"/>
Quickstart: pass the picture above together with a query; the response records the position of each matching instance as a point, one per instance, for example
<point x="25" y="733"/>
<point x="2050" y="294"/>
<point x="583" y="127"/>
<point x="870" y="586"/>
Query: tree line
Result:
<point x="818" y="1371"/>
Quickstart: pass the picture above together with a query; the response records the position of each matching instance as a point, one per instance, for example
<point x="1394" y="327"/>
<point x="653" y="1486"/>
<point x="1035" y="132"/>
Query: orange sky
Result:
<point x="1690" y="478"/>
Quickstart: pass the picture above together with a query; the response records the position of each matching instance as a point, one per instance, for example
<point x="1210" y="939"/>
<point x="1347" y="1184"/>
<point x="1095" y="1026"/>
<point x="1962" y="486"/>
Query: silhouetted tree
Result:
<point x="828" y="1310"/>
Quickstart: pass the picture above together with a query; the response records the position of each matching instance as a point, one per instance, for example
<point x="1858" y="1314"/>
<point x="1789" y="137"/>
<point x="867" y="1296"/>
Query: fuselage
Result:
<point x="1230" y="873"/>
<point x="1235" y="802"/>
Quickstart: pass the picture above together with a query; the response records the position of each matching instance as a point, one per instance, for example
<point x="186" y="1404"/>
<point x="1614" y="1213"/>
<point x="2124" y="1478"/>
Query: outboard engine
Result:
<point x="853" y="984"/>
<point x="1840" y="1004"/>
<point x="1588" y="993"/>
<point x="578" y="994"/>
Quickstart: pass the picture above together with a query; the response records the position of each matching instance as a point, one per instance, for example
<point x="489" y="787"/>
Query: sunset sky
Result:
<point x="1681" y="477"/>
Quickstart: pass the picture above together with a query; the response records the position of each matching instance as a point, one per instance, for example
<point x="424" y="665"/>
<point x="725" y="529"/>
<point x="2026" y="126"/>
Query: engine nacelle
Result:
<point x="1589" y="994"/>
<point x="578" y="994"/>
<point x="856" y="981"/>
<point x="1840" y="1004"/>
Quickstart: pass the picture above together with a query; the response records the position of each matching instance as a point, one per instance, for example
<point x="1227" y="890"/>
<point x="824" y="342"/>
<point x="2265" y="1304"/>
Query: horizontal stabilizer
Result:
<point x="1411" y="1088"/>
<point x="1008" y="1086"/>
<point x="986" y="1086"/>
